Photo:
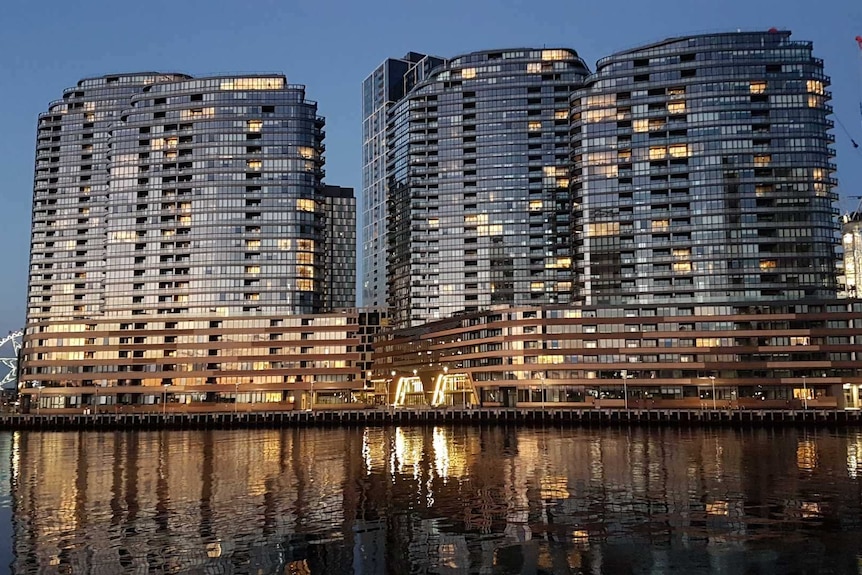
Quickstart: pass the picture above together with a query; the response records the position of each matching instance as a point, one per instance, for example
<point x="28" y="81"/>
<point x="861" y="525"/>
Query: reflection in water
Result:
<point x="444" y="500"/>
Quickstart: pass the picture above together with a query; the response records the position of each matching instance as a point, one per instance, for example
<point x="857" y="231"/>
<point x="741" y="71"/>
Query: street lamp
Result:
<point x="711" y="378"/>
<point x="625" y="376"/>
<point x="542" y="384"/>
<point x="392" y="379"/>
<point x="165" y="399"/>
<point x="804" y="393"/>
<point x="39" y="387"/>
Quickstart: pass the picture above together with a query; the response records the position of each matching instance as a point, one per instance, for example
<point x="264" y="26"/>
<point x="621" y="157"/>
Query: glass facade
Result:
<point x="176" y="222"/>
<point x="386" y="85"/>
<point x="339" y="266"/>
<point x="702" y="173"/>
<point x="477" y="185"/>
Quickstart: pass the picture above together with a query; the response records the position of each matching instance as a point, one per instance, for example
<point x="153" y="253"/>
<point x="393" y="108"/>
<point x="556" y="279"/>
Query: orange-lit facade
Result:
<point x="785" y="355"/>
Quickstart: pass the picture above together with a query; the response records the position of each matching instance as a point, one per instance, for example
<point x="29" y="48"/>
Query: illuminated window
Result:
<point x="252" y="296"/>
<point x="305" y="271"/>
<point x="305" y="205"/>
<point x="252" y="244"/>
<point x="559" y="263"/>
<point x="757" y="87"/>
<point x="678" y="91"/>
<point x="561" y="114"/>
<point x="682" y="266"/>
<point x="534" y="126"/>
<point x="762" y="160"/>
<point x="305" y="245"/>
<point x="306" y="152"/>
<point x="433" y="222"/>
<point x="554" y="55"/>
<point x="656" y="124"/>
<point x="171" y="142"/>
<point x="640" y="125"/>
<point x="814" y="101"/>
<point x="675" y="107"/>
<point x="624" y="155"/>
<point x="468" y="73"/>
<point x="678" y="151"/>
<point x="537" y="286"/>
<point x="254" y="125"/>
<point x="304" y="285"/>
<point x="768" y="264"/>
<point x="657" y="152"/>
<point x="682" y="253"/>
<point x="534" y="68"/>
<point x="285" y="244"/>
<point x="305" y="258"/>
<point x="252" y="84"/>
<point x="252" y="269"/>
<point x="660" y="225"/>
<point x="254" y="164"/>
<point x="815" y="87"/>
<point x="603" y="229"/>
<point x="536" y="205"/>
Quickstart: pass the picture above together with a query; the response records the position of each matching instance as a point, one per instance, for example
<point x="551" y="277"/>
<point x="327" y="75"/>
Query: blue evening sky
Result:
<point x="331" y="45"/>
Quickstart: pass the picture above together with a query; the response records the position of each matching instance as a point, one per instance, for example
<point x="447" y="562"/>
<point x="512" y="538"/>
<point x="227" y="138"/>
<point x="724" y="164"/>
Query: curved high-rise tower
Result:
<point x="702" y="173"/>
<point x="181" y="230"/>
<point x="477" y="183"/>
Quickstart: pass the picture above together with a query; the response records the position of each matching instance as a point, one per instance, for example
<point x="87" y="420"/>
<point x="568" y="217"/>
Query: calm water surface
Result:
<point x="434" y="500"/>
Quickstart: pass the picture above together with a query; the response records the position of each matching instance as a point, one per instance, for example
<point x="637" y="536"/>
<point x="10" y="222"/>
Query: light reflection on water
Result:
<point x="432" y="500"/>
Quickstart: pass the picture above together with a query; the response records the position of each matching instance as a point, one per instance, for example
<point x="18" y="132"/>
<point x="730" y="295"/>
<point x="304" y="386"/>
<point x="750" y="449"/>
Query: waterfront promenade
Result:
<point x="406" y="416"/>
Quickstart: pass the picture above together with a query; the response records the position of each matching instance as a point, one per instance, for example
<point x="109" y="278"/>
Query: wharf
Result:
<point x="419" y="417"/>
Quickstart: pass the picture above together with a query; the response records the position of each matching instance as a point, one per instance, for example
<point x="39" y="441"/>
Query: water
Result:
<point x="451" y="500"/>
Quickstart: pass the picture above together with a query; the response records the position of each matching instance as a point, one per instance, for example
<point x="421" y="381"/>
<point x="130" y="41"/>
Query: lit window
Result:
<point x="768" y="264"/>
<point x="624" y="155"/>
<point x="534" y="126"/>
<point x="305" y="245"/>
<point x="536" y="205"/>
<point x="305" y="271"/>
<point x="682" y="266"/>
<point x="252" y="269"/>
<point x="534" y="68"/>
<point x="305" y="205"/>
<point x="305" y="258"/>
<point x="304" y="285"/>
<point x="561" y="114"/>
<point x="468" y="73"/>
<point x="762" y="160"/>
<point x="640" y="125"/>
<point x="254" y="125"/>
<point x="660" y="225"/>
<point x="678" y="151"/>
<point x="253" y="164"/>
<point x="678" y="91"/>
<point x="252" y="244"/>
<point x="306" y="152"/>
<point x="603" y="229"/>
<point x="171" y="142"/>
<point x="252" y="296"/>
<point x="537" y="286"/>
<point x="682" y="253"/>
<point x="548" y="55"/>
<point x="657" y="152"/>
<point x="815" y="87"/>
<point x="757" y="87"/>
<point x="433" y="223"/>
<point x="252" y="84"/>
<point x="675" y="107"/>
